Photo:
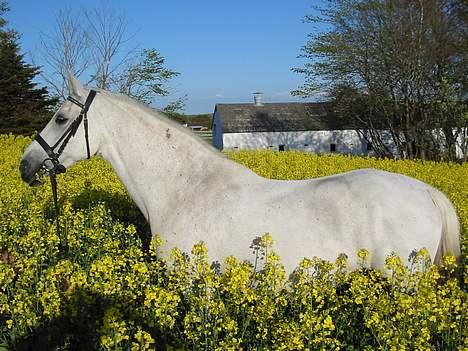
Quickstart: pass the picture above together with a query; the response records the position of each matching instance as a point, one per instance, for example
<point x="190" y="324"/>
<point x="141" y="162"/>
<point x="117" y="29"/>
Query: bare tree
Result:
<point x="108" y="36"/>
<point x="96" y="46"/>
<point x="64" y="50"/>
<point x="91" y="43"/>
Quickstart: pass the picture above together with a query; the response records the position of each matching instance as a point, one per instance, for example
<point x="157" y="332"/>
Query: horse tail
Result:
<point x="450" y="231"/>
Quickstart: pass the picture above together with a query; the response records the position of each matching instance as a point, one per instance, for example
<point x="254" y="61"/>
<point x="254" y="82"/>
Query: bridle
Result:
<point x="61" y="143"/>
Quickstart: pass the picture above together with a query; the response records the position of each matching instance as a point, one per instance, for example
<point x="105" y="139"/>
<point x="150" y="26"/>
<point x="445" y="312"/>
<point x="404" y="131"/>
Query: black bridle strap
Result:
<point x="89" y="100"/>
<point x="45" y="146"/>
<point x="84" y="115"/>
<point x="85" y="124"/>
<point x="75" y="101"/>
<point x="71" y="130"/>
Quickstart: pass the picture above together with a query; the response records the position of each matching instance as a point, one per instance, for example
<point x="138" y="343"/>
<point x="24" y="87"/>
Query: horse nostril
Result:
<point x="24" y="166"/>
<point x="25" y="170"/>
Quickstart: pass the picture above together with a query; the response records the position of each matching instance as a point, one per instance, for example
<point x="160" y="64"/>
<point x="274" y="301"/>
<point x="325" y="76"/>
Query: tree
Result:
<point x="175" y="108"/>
<point x="396" y="65"/>
<point x="95" y="45"/>
<point x="64" y="51"/>
<point x="89" y="43"/>
<point x="144" y="79"/>
<point x="24" y="108"/>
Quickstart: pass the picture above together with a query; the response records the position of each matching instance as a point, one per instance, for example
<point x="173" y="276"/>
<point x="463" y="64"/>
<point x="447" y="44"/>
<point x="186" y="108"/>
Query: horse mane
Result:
<point x="158" y="114"/>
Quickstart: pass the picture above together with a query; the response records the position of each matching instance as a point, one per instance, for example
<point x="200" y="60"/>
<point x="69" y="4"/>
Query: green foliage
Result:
<point x="175" y="108"/>
<point x="394" y="65"/>
<point x="109" y="291"/>
<point x="145" y="79"/>
<point x="24" y="108"/>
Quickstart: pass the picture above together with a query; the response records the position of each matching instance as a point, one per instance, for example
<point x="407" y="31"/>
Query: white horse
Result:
<point x="189" y="192"/>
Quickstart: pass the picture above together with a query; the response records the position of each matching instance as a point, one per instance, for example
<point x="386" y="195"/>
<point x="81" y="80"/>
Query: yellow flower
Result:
<point x="109" y="278"/>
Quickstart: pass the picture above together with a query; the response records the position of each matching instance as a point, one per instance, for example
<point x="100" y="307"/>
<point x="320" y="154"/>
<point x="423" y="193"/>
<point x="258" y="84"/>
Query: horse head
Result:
<point x="66" y="138"/>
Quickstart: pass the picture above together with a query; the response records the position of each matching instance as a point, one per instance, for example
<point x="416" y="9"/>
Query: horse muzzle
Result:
<point x="28" y="172"/>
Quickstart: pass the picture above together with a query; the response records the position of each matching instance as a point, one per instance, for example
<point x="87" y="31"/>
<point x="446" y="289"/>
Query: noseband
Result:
<point x="62" y="142"/>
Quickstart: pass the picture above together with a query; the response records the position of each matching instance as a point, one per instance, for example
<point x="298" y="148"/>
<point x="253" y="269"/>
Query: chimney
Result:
<point x="258" y="98"/>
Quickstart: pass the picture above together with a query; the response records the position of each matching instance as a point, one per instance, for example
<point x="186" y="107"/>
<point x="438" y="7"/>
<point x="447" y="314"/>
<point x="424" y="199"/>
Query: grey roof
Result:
<point x="278" y="117"/>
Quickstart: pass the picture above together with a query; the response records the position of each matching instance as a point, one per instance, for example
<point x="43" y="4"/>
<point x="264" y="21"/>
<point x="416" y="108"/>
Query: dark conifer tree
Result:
<point x="24" y="107"/>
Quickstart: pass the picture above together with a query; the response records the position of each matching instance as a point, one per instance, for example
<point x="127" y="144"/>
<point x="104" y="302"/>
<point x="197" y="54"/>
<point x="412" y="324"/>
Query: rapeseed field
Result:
<point x="99" y="284"/>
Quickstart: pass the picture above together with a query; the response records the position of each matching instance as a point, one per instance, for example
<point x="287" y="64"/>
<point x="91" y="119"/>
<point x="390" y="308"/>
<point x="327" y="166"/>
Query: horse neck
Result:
<point x="157" y="160"/>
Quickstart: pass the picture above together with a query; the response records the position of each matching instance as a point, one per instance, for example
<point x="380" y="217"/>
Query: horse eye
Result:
<point x="60" y="119"/>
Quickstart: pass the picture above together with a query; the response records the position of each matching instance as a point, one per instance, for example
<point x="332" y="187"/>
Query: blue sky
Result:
<point x="224" y="50"/>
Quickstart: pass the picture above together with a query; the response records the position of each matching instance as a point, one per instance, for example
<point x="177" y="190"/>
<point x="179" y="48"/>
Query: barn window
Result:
<point x="332" y="147"/>
<point x="281" y="148"/>
<point x="369" y="146"/>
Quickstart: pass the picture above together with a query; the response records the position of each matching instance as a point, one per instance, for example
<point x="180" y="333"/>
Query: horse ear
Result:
<point x="74" y="86"/>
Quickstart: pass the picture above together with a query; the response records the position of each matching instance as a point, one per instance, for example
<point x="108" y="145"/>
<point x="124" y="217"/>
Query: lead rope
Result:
<point x="53" y="184"/>
<point x="52" y="173"/>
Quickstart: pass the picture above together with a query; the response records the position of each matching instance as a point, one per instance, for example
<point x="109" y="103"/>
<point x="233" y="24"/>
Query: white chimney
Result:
<point x="258" y="98"/>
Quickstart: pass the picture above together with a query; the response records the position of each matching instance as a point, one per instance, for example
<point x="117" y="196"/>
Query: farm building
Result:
<point x="285" y="126"/>
<point x="299" y="126"/>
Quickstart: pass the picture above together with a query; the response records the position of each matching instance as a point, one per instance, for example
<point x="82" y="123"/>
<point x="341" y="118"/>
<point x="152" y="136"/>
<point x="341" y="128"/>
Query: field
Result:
<point x="99" y="284"/>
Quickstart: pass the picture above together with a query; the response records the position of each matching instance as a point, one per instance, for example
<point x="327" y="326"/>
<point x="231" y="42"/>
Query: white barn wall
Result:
<point x="346" y="141"/>
<point x="461" y="141"/>
<point x="461" y="147"/>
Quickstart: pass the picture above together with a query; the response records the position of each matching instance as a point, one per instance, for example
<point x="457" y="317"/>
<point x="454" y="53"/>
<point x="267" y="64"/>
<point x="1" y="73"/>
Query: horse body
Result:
<point x="189" y="192"/>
